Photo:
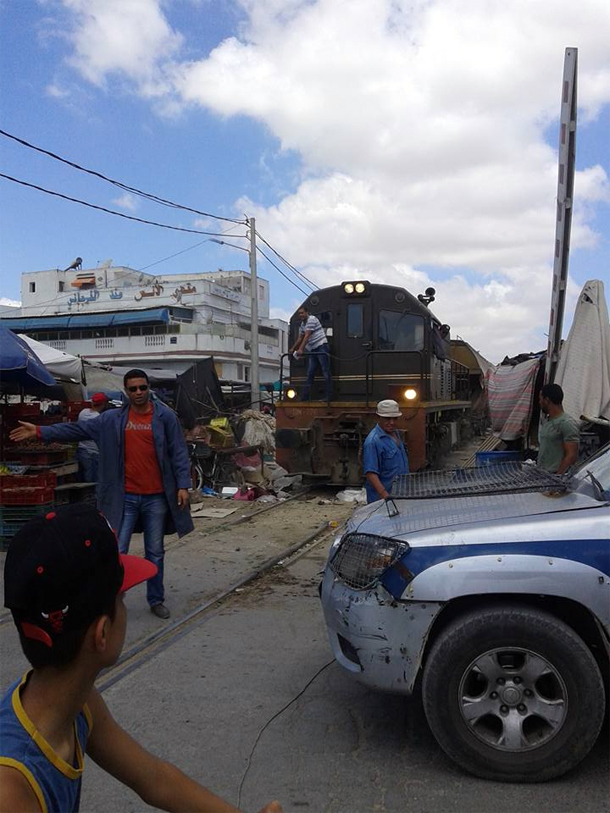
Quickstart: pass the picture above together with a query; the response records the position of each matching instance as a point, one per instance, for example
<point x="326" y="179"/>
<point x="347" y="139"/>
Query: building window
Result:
<point x="173" y="340"/>
<point x="32" y="287"/>
<point x="261" y="291"/>
<point x="60" y="287"/>
<point x="246" y="374"/>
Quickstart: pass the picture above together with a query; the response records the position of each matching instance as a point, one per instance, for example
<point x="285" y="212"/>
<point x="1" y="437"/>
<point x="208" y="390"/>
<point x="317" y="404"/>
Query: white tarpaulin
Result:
<point x="583" y="371"/>
<point x="63" y="367"/>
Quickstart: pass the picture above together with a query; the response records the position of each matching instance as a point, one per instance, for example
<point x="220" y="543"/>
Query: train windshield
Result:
<point x="400" y="331"/>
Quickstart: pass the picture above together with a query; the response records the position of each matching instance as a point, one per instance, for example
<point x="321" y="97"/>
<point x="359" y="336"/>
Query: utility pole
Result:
<point x="565" y="192"/>
<point x="254" y="369"/>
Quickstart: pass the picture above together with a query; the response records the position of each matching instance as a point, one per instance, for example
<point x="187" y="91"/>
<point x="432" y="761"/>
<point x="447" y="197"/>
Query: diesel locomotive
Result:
<point x="384" y="343"/>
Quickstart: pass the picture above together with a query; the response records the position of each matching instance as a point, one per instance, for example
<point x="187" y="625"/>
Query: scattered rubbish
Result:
<point x="289" y="481"/>
<point x="212" y="513"/>
<point x="333" y="524"/>
<point x="209" y="492"/>
<point x="352" y="495"/>
<point x="245" y="494"/>
<point x="282" y="495"/>
<point x="229" y="491"/>
<point x="267" y="498"/>
<point x="274" y="470"/>
<point x="322" y="502"/>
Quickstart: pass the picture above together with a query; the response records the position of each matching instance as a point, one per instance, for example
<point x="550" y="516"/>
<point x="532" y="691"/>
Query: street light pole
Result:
<point x="254" y="368"/>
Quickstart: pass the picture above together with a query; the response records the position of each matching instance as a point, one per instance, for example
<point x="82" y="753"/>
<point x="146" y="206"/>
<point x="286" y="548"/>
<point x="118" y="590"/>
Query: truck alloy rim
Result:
<point x="513" y="699"/>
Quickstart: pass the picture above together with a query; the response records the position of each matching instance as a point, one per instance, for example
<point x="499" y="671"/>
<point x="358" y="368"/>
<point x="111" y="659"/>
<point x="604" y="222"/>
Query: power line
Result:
<point x="277" y="268"/>
<point x="289" y="265"/>
<point x="110" y="211"/>
<point x="119" y="184"/>
<point x="184" y="250"/>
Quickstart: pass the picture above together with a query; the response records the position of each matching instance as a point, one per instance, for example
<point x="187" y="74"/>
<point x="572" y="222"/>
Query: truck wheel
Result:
<point x="513" y="694"/>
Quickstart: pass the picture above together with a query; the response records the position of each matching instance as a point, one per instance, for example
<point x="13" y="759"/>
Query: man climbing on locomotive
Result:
<point x="312" y="340"/>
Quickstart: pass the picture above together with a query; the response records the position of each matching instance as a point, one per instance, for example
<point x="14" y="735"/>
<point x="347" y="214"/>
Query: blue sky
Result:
<point x="406" y="142"/>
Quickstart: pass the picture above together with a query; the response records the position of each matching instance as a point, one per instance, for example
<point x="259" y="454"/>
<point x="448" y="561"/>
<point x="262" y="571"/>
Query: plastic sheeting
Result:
<point x="259" y="430"/>
<point x="583" y="371"/>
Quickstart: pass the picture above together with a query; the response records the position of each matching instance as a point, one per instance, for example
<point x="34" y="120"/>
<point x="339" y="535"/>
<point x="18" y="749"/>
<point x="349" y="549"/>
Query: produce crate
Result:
<point x="21" y="411"/>
<point x="11" y="481"/>
<point x="27" y="496"/>
<point x="38" y="457"/>
<point x="14" y="518"/>
<point x="23" y="513"/>
<point x="74" y="408"/>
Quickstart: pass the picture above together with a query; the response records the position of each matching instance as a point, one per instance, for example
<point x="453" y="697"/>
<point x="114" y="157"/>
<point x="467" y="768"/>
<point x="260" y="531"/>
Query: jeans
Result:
<point x="151" y="510"/>
<point x="318" y="356"/>
<point x="87" y="466"/>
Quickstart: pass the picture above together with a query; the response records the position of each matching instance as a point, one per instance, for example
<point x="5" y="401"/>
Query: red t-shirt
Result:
<point x="142" y="471"/>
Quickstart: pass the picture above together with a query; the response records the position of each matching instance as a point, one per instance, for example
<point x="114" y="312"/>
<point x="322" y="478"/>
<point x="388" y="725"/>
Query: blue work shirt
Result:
<point x="385" y="457"/>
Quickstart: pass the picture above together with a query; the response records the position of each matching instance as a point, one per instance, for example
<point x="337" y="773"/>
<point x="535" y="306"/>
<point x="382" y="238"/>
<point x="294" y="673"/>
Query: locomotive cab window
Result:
<point x="400" y="331"/>
<point x="355" y="320"/>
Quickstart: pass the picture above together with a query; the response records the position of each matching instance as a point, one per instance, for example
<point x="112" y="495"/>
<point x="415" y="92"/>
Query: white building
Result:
<point x="116" y="315"/>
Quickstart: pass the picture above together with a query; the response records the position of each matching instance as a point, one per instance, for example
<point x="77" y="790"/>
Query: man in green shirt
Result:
<point x="558" y="432"/>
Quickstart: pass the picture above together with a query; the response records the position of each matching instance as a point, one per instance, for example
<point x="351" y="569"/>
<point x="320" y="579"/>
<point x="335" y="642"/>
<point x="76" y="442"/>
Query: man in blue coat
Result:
<point x="144" y="472"/>
<point x="384" y="455"/>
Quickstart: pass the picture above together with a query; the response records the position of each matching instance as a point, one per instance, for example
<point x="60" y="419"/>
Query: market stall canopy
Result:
<point x="20" y="367"/>
<point x="63" y="366"/>
<point x="583" y="371"/>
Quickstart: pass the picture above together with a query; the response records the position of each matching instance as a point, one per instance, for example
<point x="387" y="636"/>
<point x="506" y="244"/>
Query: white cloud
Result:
<point x="421" y="125"/>
<point x="122" y="37"/>
<point x="126" y="201"/>
<point x="5" y="302"/>
<point x="57" y="92"/>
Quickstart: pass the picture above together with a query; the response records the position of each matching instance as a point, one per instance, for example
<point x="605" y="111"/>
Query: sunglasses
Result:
<point x="140" y="387"/>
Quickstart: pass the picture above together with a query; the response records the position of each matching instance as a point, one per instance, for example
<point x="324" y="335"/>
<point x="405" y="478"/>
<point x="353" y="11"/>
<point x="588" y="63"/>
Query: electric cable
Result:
<point x="271" y="719"/>
<point x="119" y="184"/>
<point x="277" y="268"/>
<point x="109" y="211"/>
<point x="285" y="261"/>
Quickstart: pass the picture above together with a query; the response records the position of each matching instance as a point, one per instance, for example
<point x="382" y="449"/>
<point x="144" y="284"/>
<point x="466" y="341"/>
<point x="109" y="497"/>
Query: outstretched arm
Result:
<point x="84" y="430"/>
<point x="159" y="783"/>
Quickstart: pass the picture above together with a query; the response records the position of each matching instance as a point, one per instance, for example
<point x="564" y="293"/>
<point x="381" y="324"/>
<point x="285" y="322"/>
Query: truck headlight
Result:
<point x="291" y="394"/>
<point x="362" y="558"/>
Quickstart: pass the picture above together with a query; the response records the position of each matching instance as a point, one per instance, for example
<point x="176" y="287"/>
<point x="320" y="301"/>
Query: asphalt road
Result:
<point x="249" y="702"/>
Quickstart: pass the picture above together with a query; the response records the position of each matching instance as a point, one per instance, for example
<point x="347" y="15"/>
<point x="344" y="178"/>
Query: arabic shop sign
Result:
<point x="227" y="293"/>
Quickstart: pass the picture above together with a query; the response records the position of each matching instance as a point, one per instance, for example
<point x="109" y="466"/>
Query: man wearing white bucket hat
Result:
<point x="385" y="455"/>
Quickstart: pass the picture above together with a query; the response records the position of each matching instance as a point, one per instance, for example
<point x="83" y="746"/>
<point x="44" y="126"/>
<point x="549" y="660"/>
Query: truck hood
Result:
<point x="417" y="517"/>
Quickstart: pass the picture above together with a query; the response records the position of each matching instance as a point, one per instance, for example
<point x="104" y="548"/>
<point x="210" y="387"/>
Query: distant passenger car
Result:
<point x="499" y="604"/>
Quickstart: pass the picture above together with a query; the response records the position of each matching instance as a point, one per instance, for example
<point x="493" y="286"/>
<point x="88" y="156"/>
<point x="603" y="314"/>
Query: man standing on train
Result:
<point x="385" y="456"/>
<point x="312" y="340"/>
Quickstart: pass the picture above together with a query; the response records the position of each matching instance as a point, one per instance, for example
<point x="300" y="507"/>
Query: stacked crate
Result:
<point x="23" y="497"/>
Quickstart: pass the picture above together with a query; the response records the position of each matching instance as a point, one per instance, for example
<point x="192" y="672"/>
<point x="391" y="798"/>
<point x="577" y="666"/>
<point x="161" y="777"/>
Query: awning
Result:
<point x="87" y="320"/>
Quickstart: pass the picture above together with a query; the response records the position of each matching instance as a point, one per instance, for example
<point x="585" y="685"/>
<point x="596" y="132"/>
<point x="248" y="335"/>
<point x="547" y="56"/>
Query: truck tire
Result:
<point x="513" y="694"/>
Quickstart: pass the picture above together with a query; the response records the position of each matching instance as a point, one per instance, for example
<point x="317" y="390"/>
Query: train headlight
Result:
<point x="410" y="394"/>
<point x="360" y="287"/>
<point x="348" y="288"/>
<point x="291" y="394"/>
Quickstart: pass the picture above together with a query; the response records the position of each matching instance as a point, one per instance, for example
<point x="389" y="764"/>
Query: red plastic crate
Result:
<point x="21" y="410"/>
<point x="13" y="481"/>
<point x="74" y="408"/>
<point x="37" y="458"/>
<point x="27" y="496"/>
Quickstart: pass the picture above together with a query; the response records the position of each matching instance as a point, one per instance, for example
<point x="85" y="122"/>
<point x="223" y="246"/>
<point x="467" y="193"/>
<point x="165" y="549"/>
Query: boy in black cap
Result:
<point x="64" y="584"/>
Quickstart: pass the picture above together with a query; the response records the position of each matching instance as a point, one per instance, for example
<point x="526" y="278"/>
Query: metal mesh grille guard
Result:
<point x="509" y="478"/>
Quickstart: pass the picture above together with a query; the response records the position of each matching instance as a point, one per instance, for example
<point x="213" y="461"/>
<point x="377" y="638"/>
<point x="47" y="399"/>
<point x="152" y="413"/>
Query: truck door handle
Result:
<point x="367" y="344"/>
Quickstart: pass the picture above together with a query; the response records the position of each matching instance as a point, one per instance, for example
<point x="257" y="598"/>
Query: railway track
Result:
<point x="144" y="650"/>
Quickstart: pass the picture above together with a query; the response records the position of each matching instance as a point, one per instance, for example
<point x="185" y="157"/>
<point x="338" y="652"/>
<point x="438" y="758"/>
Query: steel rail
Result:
<point x="149" y="647"/>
